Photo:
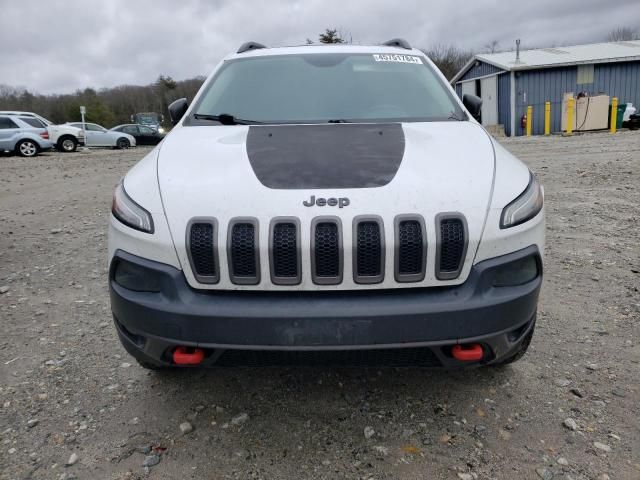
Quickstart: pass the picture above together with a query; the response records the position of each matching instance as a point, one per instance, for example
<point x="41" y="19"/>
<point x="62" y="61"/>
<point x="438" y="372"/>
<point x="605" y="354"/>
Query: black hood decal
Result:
<point x="325" y="156"/>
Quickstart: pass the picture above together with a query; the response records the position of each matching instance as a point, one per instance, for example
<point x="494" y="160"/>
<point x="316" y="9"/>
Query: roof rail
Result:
<point x="398" y="42"/>
<point x="245" y="47"/>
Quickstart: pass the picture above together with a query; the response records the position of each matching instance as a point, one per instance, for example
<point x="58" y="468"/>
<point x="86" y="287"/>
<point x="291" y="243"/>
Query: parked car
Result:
<point x="149" y="119"/>
<point x="18" y="136"/>
<point x="65" y="137"/>
<point x="331" y="204"/>
<point x="143" y="135"/>
<point x="98" y="136"/>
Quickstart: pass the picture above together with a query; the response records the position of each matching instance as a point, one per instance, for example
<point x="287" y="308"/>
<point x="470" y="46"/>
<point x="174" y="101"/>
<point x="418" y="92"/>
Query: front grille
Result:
<point x="326" y="252"/>
<point x="285" y="252"/>
<point x="243" y="252"/>
<point x="410" y="250"/>
<point x="202" y="250"/>
<point x="452" y="247"/>
<point x="369" y="253"/>
<point x="392" y="357"/>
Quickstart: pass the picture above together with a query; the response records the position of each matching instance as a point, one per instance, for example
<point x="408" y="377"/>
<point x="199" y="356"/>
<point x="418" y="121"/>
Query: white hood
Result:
<point x="205" y="171"/>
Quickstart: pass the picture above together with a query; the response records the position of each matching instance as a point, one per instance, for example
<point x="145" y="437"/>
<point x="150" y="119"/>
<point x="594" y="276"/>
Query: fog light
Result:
<point x="516" y="273"/>
<point x="135" y="277"/>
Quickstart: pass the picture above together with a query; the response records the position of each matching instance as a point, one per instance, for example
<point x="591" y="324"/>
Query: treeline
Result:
<point x="107" y="107"/>
<point x="448" y="58"/>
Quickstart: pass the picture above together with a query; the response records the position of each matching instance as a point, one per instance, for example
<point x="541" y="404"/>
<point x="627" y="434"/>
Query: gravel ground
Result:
<point x="69" y="394"/>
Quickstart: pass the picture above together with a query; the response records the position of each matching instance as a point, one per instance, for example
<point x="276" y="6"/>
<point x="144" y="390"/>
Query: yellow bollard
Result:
<point x="614" y="114"/>
<point x="529" y="119"/>
<point x="570" y="103"/>
<point x="547" y="118"/>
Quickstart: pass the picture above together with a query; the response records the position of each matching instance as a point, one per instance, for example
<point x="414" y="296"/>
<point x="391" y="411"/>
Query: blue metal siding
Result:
<point x="621" y="80"/>
<point x="535" y="87"/>
<point x="479" y="69"/>
<point x="504" y="101"/>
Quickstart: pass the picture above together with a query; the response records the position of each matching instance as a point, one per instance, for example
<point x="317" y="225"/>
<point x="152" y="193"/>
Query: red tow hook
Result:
<point x="188" y="356"/>
<point x="467" y="353"/>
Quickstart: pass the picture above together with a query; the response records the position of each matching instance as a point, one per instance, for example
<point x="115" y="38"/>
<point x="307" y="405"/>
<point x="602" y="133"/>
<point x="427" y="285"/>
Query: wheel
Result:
<point x="27" y="148"/>
<point x="67" y="144"/>
<point x="524" y="346"/>
<point x="123" y="143"/>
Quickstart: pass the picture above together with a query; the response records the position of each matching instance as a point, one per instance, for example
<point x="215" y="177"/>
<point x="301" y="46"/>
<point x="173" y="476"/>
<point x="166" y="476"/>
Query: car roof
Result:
<point x="16" y="113"/>
<point x="324" y="48"/>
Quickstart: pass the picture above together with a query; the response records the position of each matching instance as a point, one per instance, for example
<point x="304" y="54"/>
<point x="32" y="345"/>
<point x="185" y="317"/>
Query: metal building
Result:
<point x="508" y="82"/>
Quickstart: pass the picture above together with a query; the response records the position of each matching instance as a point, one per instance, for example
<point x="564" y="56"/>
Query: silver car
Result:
<point x="19" y="136"/>
<point x="98" y="136"/>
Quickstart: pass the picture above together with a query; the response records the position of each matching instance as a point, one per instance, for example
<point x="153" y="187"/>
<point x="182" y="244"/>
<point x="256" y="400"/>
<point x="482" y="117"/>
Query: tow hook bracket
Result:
<point x="188" y="356"/>
<point x="467" y="353"/>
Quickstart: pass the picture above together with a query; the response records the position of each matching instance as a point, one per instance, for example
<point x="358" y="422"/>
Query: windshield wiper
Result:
<point x="338" y="120"/>
<point x="225" y="119"/>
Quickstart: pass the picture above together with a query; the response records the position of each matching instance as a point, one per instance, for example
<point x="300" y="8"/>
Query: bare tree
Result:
<point x="621" y="34"/>
<point x="448" y="58"/>
<point x="492" y="46"/>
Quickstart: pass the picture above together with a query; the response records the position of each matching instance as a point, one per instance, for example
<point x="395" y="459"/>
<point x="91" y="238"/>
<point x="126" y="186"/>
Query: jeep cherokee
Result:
<point x="326" y="204"/>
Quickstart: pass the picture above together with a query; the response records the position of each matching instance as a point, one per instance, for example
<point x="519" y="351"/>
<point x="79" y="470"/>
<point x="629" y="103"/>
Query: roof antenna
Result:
<point x="518" y="50"/>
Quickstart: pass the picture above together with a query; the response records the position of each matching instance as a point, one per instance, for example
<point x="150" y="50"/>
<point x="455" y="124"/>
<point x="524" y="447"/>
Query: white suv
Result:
<point x="326" y="204"/>
<point x="65" y="137"/>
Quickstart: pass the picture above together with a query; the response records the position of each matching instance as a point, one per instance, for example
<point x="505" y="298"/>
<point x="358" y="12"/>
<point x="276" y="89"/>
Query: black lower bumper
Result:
<point x="150" y="325"/>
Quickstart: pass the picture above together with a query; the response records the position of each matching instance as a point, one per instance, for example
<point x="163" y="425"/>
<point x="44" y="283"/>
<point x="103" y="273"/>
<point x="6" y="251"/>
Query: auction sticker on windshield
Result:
<point x="384" y="57"/>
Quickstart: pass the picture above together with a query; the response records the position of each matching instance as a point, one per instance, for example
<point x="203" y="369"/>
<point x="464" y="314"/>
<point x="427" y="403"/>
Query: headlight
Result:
<point x="161" y="130"/>
<point x="129" y="212"/>
<point x="525" y="207"/>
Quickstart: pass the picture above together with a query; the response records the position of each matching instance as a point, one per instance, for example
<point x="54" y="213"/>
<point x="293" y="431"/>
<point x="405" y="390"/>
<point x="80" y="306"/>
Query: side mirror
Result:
<point x="473" y="104"/>
<point x="177" y="109"/>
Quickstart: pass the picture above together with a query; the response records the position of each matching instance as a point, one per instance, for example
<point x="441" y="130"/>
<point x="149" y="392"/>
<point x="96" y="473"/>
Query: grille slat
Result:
<point x="201" y="241"/>
<point x="326" y="252"/>
<point x="368" y="250"/>
<point x="452" y="246"/>
<point x="243" y="252"/>
<point x="410" y="249"/>
<point x="285" y="252"/>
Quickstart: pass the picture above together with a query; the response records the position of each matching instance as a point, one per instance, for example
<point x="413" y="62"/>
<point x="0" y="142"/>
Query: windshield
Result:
<point x="327" y="87"/>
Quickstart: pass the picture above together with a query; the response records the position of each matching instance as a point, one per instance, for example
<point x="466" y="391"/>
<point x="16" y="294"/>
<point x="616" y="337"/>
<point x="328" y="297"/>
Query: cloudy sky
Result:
<point x="57" y="46"/>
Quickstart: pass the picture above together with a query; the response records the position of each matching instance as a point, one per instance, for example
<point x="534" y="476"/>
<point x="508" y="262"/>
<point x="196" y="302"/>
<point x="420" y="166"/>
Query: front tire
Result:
<point x="27" y="148"/>
<point x="123" y="143"/>
<point x="67" y="144"/>
<point x="149" y="365"/>
<point x="518" y="354"/>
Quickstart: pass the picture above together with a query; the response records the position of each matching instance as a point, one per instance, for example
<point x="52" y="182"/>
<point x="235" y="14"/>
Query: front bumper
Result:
<point x="151" y="325"/>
